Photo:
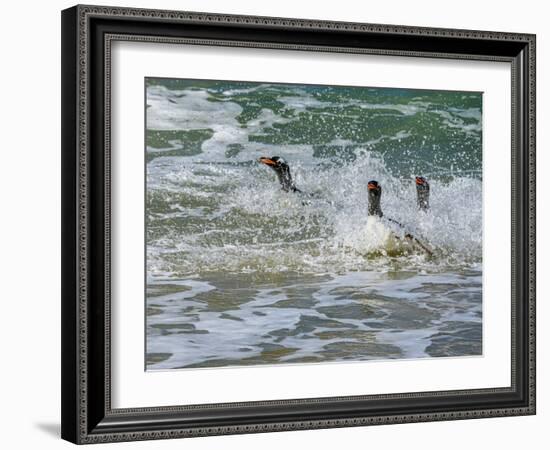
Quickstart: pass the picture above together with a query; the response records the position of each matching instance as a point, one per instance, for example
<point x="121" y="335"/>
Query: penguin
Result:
<point x="282" y="169"/>
<point x="422" y="193"/>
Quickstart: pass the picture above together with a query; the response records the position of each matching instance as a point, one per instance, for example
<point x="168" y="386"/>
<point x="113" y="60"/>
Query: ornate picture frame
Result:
<point x="88" y="33"/>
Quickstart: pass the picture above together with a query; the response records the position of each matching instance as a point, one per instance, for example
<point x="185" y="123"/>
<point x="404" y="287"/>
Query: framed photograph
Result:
<point x="279" y="224"/>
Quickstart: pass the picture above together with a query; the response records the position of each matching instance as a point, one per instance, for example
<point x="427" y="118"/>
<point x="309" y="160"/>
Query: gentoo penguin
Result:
<point x="422" y="193"/>
<point x="281" y="168"/>
<point x="375" y="193"/>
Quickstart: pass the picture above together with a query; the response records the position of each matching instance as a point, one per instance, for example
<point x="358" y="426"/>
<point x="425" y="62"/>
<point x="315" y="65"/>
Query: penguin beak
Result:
<point x="373" y="186"/>
<point x="421" y="181"/>
<point x="267" y="161"/>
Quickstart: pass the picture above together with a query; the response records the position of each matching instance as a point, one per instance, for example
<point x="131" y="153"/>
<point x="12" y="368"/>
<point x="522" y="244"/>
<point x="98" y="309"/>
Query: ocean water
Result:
<point x="240" y="272"/>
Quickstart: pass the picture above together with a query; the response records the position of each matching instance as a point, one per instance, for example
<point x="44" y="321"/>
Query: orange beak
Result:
<point x="372" y="186"/>
<point x="420" y="180"/>
<point x="267" y="161"/>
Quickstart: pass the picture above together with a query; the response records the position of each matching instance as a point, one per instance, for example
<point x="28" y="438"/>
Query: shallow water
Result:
<point x="240" y="272"/>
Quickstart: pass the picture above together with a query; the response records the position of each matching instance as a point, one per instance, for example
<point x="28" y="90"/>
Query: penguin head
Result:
<point x="422" y="183"/>
<point x="277" y="163"/>
<point x="282" y="169"/>
<point x="374" y="188"/>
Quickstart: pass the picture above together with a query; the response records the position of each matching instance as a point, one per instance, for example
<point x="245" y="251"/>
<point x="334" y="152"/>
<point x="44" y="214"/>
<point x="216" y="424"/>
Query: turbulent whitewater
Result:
<point x="240" y="272"/>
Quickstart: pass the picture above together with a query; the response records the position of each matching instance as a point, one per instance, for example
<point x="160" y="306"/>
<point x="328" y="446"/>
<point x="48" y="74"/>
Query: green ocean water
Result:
<point x="241" y="273"/>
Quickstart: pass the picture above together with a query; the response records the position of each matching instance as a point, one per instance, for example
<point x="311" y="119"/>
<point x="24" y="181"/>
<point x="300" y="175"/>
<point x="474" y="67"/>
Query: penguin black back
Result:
<point x="375" y="193"/>
<point x="422" y="193"/>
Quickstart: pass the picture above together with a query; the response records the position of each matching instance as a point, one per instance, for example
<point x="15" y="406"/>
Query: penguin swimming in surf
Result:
<point x="375" y="193"/>
<point x="374" y="209"/>
<point x="282" y="169"/>
<point x="422" y="193"/>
